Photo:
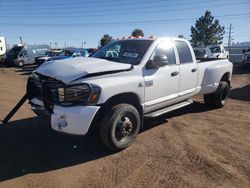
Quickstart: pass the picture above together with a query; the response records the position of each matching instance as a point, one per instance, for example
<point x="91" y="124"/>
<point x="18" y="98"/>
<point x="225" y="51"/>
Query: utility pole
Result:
<point x="229" y="38"/>
<point x="21" y="40"/>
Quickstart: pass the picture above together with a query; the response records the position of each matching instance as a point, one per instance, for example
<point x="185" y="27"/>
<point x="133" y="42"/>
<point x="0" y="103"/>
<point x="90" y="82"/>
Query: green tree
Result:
<point x="137" y="33"/>
<point x="207" y="31"/>
<point x="105" y="40"/>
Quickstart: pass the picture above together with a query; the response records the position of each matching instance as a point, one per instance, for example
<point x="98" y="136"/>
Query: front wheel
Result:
<point x="120" y="126"/>
<point x="20" y="63"/>
<point x="219" y="98"/>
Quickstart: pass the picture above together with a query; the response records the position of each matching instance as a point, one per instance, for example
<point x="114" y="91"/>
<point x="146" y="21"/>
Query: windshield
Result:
<point x="124" y="51"/>
<point x="66" y="53"/>
<point x="49" y="53"/>
<point x="14" y="51"/>
<point x="215" y="49"/>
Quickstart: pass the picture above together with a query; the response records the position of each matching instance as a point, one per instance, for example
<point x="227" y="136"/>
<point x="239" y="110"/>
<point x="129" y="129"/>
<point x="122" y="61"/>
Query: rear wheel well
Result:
<point x="225" y="78"/>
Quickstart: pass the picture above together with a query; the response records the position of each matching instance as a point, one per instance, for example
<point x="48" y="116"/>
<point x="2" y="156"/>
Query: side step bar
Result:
<point x="168" y="109"/>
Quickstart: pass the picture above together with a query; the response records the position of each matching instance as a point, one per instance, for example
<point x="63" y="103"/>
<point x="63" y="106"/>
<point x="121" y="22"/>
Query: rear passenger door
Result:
<point x="188" y="69"/>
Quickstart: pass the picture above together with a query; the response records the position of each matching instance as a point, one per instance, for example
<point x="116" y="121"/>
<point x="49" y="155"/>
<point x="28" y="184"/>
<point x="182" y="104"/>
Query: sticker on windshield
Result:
<point x="129" y="54"/>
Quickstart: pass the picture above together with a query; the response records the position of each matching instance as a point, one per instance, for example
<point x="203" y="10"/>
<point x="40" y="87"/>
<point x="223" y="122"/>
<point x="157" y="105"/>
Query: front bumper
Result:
<point x="74" y="120"/>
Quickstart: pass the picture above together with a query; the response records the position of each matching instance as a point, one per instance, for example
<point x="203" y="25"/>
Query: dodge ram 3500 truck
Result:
<point x="141" y="78"/>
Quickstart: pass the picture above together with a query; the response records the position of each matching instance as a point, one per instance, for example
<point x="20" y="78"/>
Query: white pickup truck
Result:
<point x="212" y="51"/>
<point x="141" y="78"/>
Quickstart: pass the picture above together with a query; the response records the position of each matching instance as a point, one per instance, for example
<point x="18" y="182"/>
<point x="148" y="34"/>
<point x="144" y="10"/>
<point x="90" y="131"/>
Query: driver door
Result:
<point x="161" y="83"/>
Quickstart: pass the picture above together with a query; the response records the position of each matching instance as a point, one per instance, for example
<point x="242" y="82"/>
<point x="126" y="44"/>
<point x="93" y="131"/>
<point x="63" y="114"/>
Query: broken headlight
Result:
<point x="79" y="94"/>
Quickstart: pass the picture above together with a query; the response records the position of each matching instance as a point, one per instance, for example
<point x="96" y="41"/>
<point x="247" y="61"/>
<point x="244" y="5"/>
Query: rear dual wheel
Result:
<point x="219" y="98"/>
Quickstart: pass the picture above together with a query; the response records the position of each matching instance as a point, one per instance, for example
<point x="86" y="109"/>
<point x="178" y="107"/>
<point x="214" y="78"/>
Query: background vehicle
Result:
<point x="146" y="78"/>
<point x="245" y="60"/>
<point x="201" y="53"/>
<point x="217" y="51"/>
<point x="213" y="51"/>
<point x="69" y="53"/>
<point x="22" y="55"/>
<point x="47" y="55"/>
<point x="2" y="46"/>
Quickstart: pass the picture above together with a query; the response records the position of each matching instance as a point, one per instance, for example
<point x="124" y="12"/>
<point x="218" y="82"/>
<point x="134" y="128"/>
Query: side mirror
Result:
<point x="161" y="60"/>
<point x="150" y="65"/>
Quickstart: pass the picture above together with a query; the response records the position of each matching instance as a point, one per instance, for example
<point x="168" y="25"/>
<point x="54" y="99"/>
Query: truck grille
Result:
<point x="45" y="89"/>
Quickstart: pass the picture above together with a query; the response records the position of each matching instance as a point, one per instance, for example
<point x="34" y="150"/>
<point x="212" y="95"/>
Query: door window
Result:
<point x="183" y="52"/>
<point x="165" y="49"/>
<point x="24" y="53"/>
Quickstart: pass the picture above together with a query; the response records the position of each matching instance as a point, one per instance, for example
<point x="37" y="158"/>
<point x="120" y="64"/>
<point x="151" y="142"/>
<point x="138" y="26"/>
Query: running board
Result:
<point x="168" y="109"/>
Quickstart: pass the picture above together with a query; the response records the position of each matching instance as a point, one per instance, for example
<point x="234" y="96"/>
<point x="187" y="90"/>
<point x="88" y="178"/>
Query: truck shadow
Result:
<point x="196" y="107"/>
<point x="242" y="93"/>
<point x="31" y="146"/>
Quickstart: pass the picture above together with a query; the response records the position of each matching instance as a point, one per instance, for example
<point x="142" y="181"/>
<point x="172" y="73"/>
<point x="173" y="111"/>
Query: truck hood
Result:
<point x="69" y="70"/>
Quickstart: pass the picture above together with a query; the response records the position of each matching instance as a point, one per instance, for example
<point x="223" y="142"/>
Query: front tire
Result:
<point x="120" y="126"/>
<point x="219" y="98"/>
<point x="20" y="63"/>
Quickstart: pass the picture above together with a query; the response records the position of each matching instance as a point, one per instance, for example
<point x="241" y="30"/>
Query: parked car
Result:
<point x="21" y="55"/>
<point x="70" y="53"/>
<point x="47" y="55"/>
<point x="245" y="60"/>
<point x="148" y="78"/>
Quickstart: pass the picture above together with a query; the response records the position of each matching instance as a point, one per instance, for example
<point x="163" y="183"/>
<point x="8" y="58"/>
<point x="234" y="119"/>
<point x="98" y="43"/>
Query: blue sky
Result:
<point x="74" y="22"/>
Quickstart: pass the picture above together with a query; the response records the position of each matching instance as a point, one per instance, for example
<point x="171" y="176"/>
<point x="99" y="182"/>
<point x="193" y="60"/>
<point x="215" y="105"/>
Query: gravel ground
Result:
<point x="195" y="146"/>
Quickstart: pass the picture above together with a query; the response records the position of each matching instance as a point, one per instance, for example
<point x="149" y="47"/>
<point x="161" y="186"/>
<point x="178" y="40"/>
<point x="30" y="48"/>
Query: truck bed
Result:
<point x="201" y="60"/>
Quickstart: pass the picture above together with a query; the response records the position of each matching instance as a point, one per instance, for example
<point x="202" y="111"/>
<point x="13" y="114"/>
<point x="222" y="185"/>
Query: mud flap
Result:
<point x="14" y="110"/>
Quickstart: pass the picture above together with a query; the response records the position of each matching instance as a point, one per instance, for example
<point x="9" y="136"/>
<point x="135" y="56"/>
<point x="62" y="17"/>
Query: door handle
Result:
<point x="174" y="73"/>
<point x="194" y="70"/>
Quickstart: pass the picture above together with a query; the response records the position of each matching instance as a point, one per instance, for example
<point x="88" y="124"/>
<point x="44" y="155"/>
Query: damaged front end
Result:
<point x="41" y="91"/>
<point x="70" y="107"/>
<point x="45" y="92"/>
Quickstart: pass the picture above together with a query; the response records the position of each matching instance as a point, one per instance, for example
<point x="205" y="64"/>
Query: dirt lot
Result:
<point x="192" y="147"/>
